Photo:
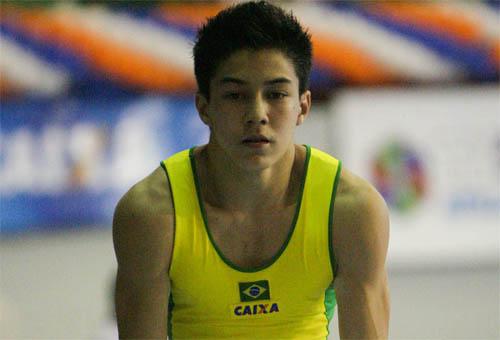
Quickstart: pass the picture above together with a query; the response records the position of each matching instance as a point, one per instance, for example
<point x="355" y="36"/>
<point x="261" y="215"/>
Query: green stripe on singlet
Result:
<point x="330" y="298"/>
<point x="330" y="303"/>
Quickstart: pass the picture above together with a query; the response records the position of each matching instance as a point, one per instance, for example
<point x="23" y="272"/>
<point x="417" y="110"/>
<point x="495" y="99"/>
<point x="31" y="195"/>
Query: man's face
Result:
<point x="254" y="107"/>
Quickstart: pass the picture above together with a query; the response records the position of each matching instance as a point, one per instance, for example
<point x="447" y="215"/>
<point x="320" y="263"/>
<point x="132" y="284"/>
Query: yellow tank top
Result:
<point x="289" y="298"/>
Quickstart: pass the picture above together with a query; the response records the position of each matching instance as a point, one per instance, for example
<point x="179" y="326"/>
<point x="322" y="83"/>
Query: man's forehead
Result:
<point x="244" y="63"/>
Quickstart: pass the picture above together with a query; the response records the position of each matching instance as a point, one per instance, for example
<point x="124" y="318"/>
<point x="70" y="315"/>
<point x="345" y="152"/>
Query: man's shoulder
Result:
<point x="357" y="193"/>
<point x="143" y="226"/>
<point x="150" y="195"/>
<point x="146" y="209"/>
<point x="359" y="207"/>
<point x="360" y="231"/>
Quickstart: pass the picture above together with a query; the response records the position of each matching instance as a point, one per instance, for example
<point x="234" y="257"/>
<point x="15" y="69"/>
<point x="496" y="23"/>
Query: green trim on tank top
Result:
<point x="164" y="166"/>
<point x="333" y="259"/>
<point x="290" y="232"/>
<point x="330" y="302"/>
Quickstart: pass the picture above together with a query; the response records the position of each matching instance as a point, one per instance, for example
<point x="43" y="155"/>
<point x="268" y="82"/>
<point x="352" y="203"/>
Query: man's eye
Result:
<point x="233" y="95"/>
<point x="277" y="95"/>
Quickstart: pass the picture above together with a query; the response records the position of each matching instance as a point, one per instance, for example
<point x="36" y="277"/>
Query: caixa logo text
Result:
<point x="263" y="308"/>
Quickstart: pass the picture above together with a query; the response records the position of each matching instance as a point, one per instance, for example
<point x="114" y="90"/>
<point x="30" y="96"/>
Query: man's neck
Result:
<point x="227" y="185"/>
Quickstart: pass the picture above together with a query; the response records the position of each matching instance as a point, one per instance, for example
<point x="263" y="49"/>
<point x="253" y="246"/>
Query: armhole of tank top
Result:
<point x="333" y="260"/>
<point x="164" y="166"/>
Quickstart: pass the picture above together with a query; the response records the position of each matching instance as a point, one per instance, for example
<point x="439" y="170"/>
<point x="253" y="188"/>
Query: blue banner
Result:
<point x="65" y="163"/>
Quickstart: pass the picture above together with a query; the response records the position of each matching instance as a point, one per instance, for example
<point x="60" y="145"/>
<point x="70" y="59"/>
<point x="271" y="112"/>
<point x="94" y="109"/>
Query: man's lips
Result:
<point x="256" y="139"/>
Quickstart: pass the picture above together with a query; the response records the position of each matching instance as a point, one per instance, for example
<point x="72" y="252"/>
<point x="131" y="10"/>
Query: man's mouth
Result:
<point x="256" y="140"/>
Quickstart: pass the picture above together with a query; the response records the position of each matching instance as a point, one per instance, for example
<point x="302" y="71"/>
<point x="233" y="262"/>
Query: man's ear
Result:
<point x="201" y="102"/>
<point x="305" y="106"/>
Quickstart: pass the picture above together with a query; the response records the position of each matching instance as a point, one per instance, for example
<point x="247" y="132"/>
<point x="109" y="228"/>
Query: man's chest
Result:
<point x="250" y="241"/>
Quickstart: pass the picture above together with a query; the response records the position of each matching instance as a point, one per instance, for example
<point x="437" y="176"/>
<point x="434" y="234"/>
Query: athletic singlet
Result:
<point x="289" y="298"/>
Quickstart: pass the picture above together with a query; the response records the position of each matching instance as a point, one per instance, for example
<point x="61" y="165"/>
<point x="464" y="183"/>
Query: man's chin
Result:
<point x="255" y="161"/>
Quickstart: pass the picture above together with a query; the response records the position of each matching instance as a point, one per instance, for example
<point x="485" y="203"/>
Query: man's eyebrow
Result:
<point x="228" y="80"/>
<point x="280" y="80"/>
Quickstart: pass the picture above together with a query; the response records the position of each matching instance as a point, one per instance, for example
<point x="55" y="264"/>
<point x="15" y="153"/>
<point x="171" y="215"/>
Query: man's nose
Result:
<point x="257" y="112"/>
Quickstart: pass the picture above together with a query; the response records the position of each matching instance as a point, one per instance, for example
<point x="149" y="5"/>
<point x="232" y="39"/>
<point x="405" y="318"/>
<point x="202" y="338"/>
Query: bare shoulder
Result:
<point x="143" y="238"/>
<point x="143" y="226"/>
<point x="360" y="225"/>
<point x="360" y="242"/>
<point x="357" y="199"/>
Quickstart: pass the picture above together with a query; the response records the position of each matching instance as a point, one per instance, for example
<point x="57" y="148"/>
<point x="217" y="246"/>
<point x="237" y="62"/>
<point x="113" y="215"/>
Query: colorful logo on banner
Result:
<point x="399" y="175"/>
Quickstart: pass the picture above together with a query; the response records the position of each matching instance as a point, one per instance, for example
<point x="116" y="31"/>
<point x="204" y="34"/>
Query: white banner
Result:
<point x="434" y="154"/>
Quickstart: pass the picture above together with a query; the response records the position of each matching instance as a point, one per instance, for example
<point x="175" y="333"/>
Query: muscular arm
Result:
<point x="142" y="236"/>
<point x="361" y="234"/>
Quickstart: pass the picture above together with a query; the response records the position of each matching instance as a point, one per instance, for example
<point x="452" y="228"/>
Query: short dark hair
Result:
<point x="255" y="26"/>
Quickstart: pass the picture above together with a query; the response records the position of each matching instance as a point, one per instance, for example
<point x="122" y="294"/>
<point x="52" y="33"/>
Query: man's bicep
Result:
<point x="142" y="237"/>
<point x="363" y="308"/>
<point x="142" y="288"/>
<point x="361" y="235"/>
<point x="361" y="283"/>
<point x="142" y="309"/>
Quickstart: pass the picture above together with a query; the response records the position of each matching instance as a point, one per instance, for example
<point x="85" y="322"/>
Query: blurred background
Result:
<point x="94" y="94"/>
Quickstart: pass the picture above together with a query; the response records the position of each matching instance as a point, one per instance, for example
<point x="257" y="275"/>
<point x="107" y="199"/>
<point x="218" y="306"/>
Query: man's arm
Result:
<point x="360" y="241"/>
<point x="143" y="238"/>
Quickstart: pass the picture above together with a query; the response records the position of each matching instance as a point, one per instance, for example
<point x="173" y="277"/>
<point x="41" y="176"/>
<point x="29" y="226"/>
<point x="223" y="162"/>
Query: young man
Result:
<point x="251" y="235"/>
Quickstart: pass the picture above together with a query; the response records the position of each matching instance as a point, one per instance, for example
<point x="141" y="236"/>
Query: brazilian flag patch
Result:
<point x="254" y="291"/>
